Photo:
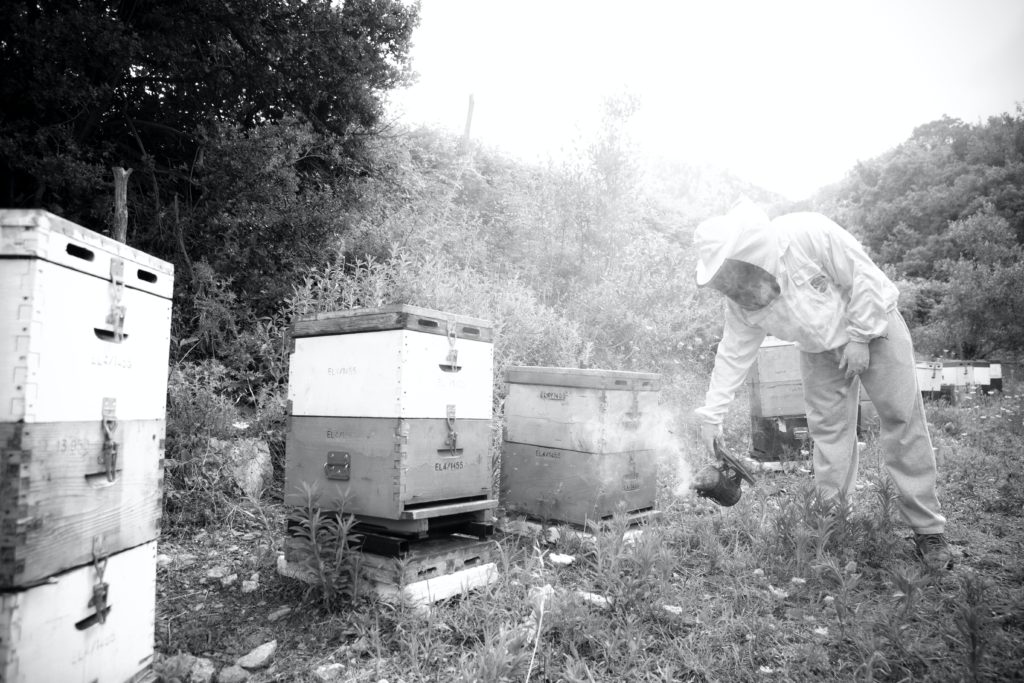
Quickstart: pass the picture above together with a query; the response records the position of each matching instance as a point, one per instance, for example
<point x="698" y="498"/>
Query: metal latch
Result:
<point x="451" y="442"/>
<point x="109" y="453"/>
<point x="338" y="466"/>
<point x="117" y="309"/>
<point x="100" y="589"/>
<point x="451" y="363"/>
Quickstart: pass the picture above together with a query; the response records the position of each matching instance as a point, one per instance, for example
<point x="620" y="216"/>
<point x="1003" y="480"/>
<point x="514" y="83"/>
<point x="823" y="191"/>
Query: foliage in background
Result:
<point x="944" y="211"/>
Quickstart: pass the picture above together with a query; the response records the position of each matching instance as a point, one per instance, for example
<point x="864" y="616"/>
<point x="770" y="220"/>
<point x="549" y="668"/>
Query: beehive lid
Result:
<point x="34" y="233"/>
<point x="585" y="379"/>
<point x="393" y="317"/>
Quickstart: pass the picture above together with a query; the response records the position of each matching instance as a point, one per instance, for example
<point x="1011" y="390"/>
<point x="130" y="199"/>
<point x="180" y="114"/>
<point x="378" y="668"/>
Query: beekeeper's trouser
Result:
<point x="891" y="384"/>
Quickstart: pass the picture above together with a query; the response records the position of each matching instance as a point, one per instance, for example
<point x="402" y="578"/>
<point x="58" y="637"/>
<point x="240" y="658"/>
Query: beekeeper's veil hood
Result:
<point x="739" y="234"/>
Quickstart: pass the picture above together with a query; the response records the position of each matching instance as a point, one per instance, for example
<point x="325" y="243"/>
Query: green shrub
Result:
<point x="198" y="409"/>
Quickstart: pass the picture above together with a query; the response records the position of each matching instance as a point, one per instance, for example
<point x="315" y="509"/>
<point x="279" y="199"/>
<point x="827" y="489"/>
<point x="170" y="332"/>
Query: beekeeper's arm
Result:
<point x="736" y="353"/>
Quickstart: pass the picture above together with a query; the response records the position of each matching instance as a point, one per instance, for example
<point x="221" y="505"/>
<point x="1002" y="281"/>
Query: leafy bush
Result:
<point x="198" y="409"/>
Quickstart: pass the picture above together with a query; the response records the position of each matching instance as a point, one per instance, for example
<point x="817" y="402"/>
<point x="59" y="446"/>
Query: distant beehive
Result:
<point x="579" y="444"/>
<point x="391" y="413"/>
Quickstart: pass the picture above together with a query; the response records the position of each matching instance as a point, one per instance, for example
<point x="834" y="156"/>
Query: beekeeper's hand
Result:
<point x="856" y="358"/>
<point x="708" y="433"/>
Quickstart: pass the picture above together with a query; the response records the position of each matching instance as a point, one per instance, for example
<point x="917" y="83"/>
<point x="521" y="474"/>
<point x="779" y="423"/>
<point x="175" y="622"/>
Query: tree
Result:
<point x="154" y="86"/>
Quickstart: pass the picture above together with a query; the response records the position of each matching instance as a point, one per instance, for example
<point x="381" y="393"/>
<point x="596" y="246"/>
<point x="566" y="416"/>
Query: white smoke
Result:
<point x="656" y="429"/>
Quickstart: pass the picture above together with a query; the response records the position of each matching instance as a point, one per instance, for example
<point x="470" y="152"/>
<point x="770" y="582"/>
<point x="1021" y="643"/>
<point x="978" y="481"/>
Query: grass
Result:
<point x="781" y="587"/>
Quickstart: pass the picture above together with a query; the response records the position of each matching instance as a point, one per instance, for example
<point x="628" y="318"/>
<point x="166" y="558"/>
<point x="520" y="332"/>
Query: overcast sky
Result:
<point x="788" y="94"/>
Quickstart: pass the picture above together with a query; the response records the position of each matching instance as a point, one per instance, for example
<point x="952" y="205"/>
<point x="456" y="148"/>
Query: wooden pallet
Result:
<point x="429" y="571"/>
<point x="526" y="525"/>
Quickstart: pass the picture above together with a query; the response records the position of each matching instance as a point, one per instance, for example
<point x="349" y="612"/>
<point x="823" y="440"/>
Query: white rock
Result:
<point x="560" y="559"/>
<point x="594" y="599"/>
<point x="163" y="560"/>
<point x="202" y="671"/>
<point x="232" y="674"/>
<point x="217" y="573"/>
<point x="258" y="658"/>
<point x="229" y="580"/>
<point x="248" y="461"/>
<point x="250" y="586"/>
<point x="329" y="673"/>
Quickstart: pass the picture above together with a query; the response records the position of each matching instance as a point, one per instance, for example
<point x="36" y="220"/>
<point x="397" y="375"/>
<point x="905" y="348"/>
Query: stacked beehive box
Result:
<point x="86" y="333"/>
<point x="778" y="418"/>
<point x="579" y="445"/>
<point x="390" y="417"/>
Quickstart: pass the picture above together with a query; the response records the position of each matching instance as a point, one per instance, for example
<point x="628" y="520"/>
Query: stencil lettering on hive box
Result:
<point x="448" y="466"/>
<point x="71" y="446"/>
<point x="548" y="395"/>
<point x="95" y="646"/>
<point x="548" y="454"/>
<point x="335" y="434"/>
<point x="112" y="360"/>
<point x="342" y="372"/>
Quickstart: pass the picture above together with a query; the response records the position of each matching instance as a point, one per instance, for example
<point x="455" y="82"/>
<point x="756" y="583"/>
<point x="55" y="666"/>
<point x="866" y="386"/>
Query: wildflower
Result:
<point x="821" y="631"/>
<point x="797" y="581"/>
<point x="850" y="567"/>
<point x="829" y="599"/>
<point x="766" y="669"/>
<point x="758" y="572"/>
<point x="778" y="592"/>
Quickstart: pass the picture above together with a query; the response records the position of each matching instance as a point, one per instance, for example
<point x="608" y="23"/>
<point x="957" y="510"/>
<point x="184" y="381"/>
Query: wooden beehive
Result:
<point x="579" y="445"/>
<point x="391" y="413"/>
<point x="86" y="321"/>
<point x="574" y="487"/>
<point x="392" y="468"/>
<point x="394" y="361"/>
<point x="996" y="376"/>
<point x="93" y="623"/>
<point x="779" y="438"/>
<point x="85" y="338"/>
<point x="776" y="384"/>
<point x="59" y="496"/>
<point x="592" y="411"/>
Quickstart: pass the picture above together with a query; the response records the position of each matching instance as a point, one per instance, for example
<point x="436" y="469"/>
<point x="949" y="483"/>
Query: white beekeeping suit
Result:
<point x="831" y="291"/>
<point x="819" y="289"/>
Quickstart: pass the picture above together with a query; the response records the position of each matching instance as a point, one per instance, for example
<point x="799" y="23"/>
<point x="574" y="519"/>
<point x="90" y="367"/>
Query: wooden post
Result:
<point x="469" y="124"/>
<point x="121" y="203"/>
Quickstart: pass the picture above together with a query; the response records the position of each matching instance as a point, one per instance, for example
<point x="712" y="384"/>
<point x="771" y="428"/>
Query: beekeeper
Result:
<point x="803" y="278"/>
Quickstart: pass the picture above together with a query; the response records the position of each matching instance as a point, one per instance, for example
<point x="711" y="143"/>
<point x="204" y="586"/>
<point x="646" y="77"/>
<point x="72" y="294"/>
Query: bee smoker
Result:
<point x="721" y="482"/>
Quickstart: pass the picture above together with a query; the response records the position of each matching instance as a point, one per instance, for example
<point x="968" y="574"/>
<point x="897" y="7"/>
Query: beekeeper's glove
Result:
<point x="856" y="358"/>
<point x="708" y="433"/>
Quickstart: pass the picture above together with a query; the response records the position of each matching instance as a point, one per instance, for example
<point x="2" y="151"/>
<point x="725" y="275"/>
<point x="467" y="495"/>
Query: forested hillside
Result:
<point x="944" y="211"/>
<point x="263" y="168"/>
